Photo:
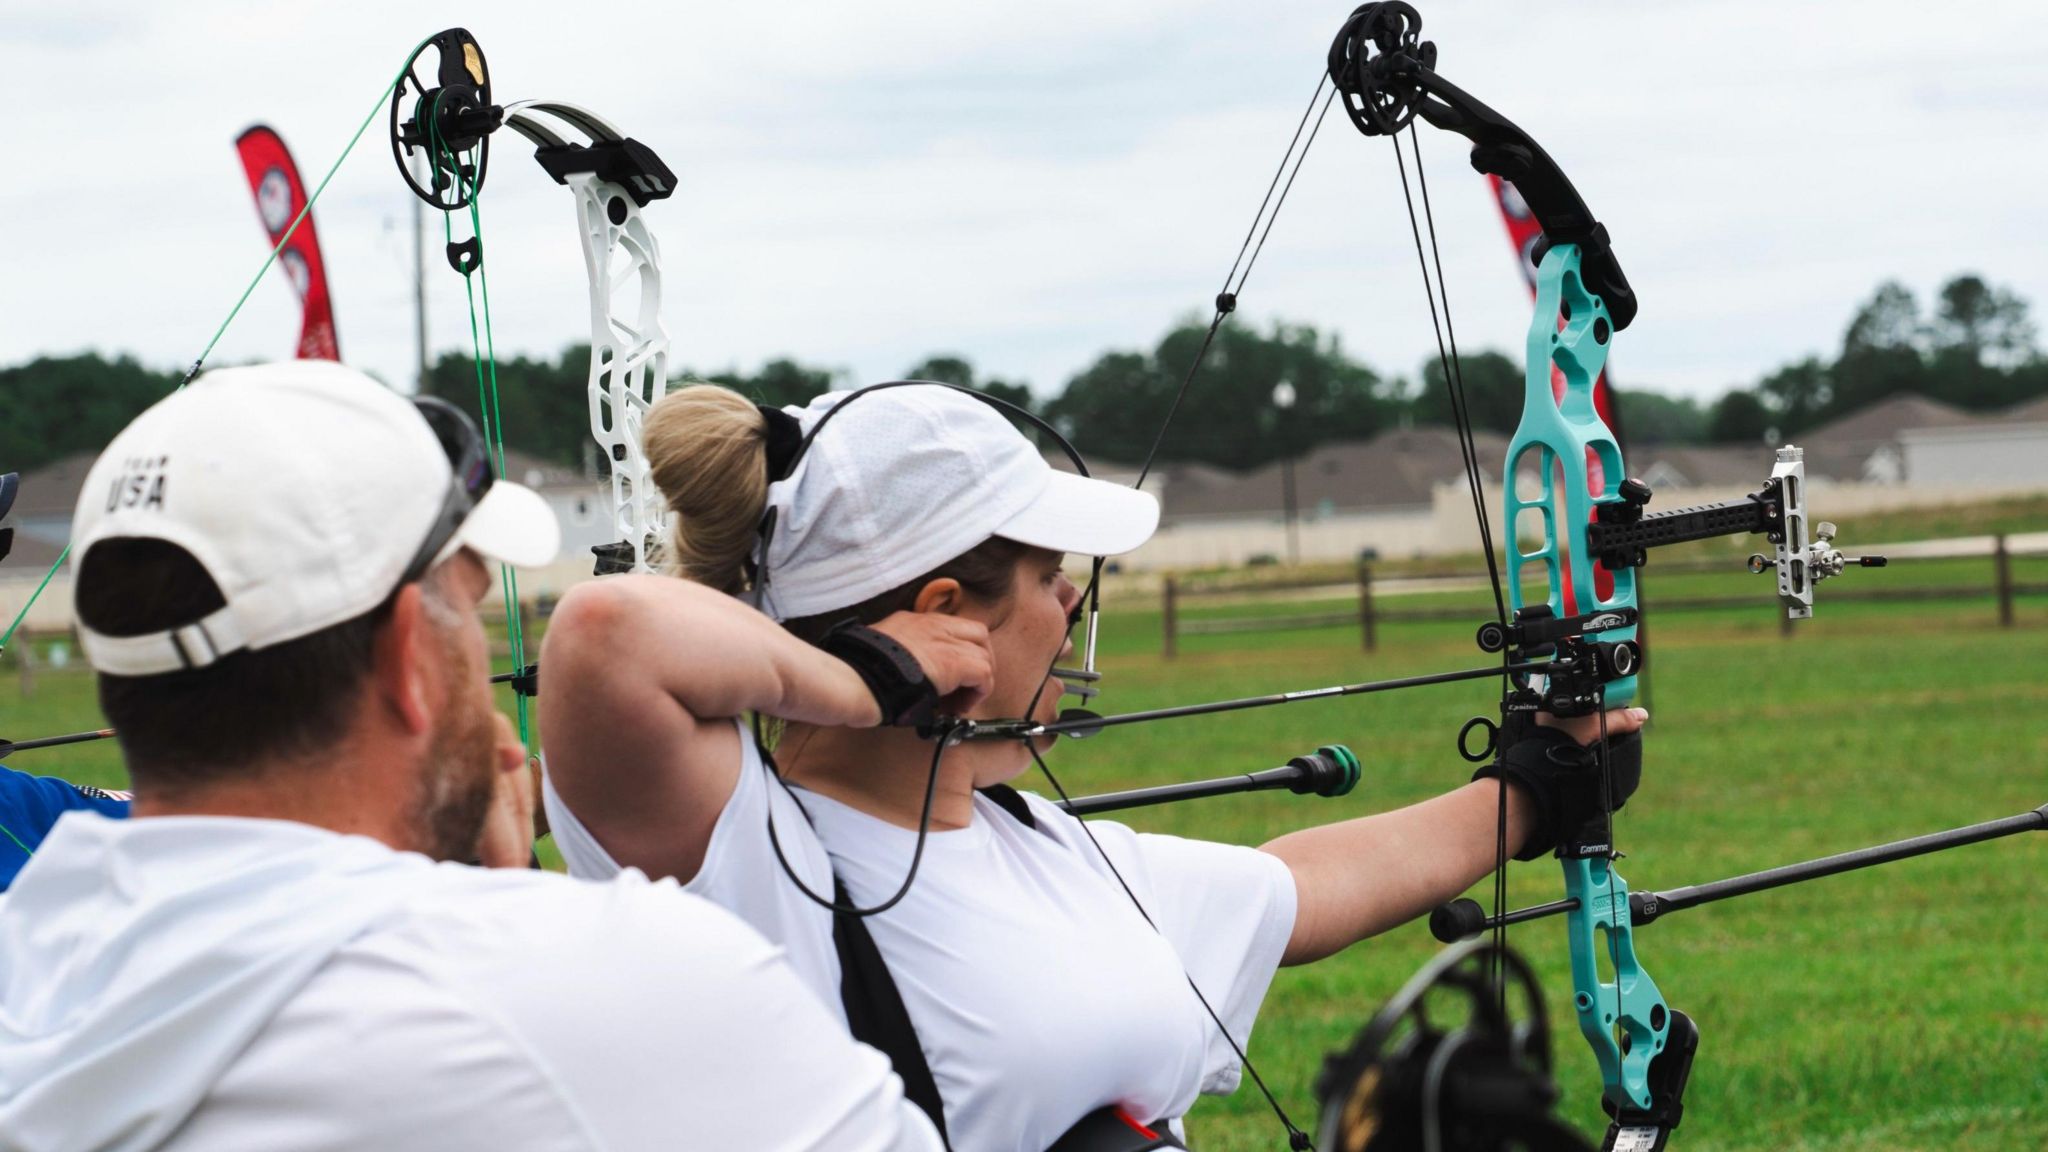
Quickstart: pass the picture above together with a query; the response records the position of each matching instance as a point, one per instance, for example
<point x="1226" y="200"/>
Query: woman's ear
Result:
<point x="943" y="595"/>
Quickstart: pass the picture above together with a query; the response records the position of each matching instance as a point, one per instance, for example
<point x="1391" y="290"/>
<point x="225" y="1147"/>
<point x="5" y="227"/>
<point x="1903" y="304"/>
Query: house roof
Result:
<point x="1840" y="448"/>
<point x="29" y="557"/>
<point x="2033" y="411"/>
<point x="537" y="473"/>
<point x="1399" y="468"/>
<point x="52" y="490"/>
<point x="1701" y="466"/>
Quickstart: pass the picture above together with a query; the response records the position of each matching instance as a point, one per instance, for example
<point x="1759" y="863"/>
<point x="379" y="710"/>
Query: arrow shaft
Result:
<point x="1001" y="730"/>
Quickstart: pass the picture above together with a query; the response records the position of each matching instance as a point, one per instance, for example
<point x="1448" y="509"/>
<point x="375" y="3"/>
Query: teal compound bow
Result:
<point x="1575" y="651"/>
<point x="1563" y="483"/>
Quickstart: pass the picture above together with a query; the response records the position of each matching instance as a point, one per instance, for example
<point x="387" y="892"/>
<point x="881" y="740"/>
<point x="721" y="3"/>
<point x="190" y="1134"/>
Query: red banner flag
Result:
<point x="280" y="197"/>
<point x="1524" y="231"/>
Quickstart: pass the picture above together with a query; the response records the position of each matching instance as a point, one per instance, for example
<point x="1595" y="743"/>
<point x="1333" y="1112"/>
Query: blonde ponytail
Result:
<point x="707" y="449"/>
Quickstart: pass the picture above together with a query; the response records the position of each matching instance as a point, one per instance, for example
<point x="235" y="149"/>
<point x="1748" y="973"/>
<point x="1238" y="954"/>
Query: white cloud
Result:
<point x="1029" y="185"/>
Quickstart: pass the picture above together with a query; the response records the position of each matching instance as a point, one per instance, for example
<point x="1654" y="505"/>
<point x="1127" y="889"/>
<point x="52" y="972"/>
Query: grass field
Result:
<point x="1891" y="1009"/>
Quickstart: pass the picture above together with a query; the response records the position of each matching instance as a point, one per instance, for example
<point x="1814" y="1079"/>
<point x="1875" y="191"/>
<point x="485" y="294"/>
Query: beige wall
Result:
<point x="1446" y="528"/>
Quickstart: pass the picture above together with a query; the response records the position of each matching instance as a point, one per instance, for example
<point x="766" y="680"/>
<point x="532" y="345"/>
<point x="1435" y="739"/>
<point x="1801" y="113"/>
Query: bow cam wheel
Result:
<point x="1450" y="1063"/>
<point x="1372" y="62"/>
<point x="450" y="120"/>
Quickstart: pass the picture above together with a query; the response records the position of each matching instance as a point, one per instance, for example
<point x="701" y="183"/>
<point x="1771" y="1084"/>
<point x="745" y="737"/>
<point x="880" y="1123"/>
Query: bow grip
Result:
<point x="1563" y="440"/>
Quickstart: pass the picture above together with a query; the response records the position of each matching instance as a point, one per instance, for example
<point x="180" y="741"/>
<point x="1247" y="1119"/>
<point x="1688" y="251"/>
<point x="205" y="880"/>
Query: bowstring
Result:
<point x="1234" y="280"/>
<point x="1451" y="366"/>
<point x="1247" y="256"/>
<point x="1296" y="1137"/>
<point x="476" y="286"/>
<point x="199" y="361"/>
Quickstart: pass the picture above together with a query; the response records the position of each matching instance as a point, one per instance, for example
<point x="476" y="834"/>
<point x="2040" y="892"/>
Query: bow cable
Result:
<point x="1226" y="302"/>
<point x="1447" y="351"/>
<point x="1452" y="368"/>
<point x="476" y="286"/>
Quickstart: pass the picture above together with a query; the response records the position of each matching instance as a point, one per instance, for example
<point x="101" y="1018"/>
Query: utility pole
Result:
<point x="419" y="275"/>
<point x="1283" y="399"/>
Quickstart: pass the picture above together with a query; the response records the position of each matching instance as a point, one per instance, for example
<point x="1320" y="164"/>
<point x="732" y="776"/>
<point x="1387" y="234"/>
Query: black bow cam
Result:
<point x="1386" y="74"/>
<point x="449" y="119"/>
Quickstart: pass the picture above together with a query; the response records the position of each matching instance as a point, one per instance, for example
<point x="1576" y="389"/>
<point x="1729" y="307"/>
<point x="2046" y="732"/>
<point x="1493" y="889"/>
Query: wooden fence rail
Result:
<point x="1370" y="614"/>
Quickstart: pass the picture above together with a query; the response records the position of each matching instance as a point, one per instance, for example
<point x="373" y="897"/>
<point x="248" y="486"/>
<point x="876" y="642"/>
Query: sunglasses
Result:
<point x="469" y="459"/>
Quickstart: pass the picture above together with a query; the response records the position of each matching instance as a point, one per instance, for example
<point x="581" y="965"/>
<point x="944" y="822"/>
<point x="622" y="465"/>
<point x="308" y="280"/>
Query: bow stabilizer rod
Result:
<point x="1329" y="771"/>
<point x="1465" y="918"/>
<point x="10" y="747"/>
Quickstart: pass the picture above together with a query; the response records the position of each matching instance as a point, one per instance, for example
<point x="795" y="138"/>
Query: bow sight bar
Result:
<point x="1622" y="533"/>
<point x="1620" y="538"/>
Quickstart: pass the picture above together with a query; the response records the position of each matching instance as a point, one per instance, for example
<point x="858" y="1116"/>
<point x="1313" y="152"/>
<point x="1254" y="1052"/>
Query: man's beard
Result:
<point x="456" y="781"/>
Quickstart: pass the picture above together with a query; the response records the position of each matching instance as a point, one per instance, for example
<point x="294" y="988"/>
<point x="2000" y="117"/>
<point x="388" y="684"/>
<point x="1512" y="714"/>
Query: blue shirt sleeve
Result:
<point x="29" y="807"/>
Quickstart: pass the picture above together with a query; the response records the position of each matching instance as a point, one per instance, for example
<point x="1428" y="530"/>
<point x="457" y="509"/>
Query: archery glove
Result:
<point x="900" y="686"/>
<point x="1562" y="779"/>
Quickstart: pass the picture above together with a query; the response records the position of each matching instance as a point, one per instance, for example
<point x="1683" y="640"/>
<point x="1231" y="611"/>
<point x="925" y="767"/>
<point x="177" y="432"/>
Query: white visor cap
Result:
<point x="304" y="488"/>
<point x="908" y="478"/>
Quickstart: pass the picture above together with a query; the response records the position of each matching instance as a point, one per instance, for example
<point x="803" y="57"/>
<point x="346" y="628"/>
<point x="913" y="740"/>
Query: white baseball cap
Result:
<point x="908" y="478"/>
<point x="307" y="491"/>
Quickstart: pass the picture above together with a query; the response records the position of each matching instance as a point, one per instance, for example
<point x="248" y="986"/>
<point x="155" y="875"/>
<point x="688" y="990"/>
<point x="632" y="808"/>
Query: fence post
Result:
<point x="1169" y="617"/>
<point x="2001" y="561"/>
<point x="1784" y="619"/>
<point x="1368" y="634"/>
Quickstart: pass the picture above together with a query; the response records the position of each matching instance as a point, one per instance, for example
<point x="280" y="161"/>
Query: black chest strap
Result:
<point x="874" y="1008"/>
<point x="1012" y="801"/>
<point x="875" y="1012"/>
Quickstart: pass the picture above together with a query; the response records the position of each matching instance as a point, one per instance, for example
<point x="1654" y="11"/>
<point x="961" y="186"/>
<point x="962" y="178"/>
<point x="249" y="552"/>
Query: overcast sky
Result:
<point x="1027" y="185"/>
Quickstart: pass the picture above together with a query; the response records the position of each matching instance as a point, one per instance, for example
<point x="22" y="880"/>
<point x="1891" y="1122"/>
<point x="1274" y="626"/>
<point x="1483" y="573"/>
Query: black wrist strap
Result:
<point x="892" y="674"/>
<point x="1540" y="763"/>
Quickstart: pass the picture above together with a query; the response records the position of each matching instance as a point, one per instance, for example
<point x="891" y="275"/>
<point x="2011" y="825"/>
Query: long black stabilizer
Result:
<point x="1464" y="918"/>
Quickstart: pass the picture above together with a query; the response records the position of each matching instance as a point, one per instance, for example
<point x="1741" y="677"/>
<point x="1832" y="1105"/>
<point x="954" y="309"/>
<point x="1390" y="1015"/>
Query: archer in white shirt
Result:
<point x="1039" y="989"/>
<point x="265" y="957"/>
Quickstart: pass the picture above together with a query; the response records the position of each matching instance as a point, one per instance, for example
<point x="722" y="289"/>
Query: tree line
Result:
<point x="1973" y="345"/>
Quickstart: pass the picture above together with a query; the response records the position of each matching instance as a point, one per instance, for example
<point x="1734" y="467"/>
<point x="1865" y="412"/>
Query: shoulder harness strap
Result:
<point x="1011" y="801"/>
<point x="874" y="1007"/>
<point x="875" y="1012"/>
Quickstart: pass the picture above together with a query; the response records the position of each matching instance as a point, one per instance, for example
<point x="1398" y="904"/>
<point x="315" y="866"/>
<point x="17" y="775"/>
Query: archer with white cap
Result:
<point x="1039" y="982"/>
<point x="278" y="581"/>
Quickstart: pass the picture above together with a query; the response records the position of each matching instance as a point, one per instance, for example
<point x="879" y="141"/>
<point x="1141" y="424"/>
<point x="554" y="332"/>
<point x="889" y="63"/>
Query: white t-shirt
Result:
<point x="1038" y="991"/>
<point x="221" y="984"/>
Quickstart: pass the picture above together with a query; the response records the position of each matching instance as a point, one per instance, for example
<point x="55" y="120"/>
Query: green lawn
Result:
<point x="1891" y="1009"/>
<point x="1883" y="1010"/>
